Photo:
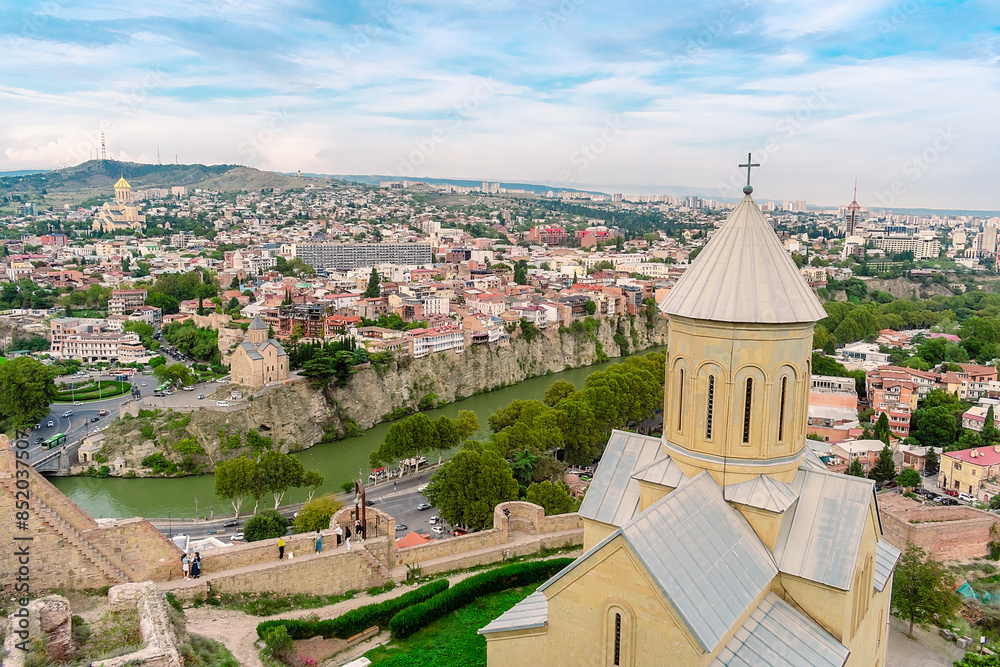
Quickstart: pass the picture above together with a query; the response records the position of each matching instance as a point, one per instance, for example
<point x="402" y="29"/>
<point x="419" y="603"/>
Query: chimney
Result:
<point x="974" y="453"/>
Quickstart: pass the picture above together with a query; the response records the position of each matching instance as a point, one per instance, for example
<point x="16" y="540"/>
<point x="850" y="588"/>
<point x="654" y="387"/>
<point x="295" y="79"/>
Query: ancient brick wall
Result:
<point x="945" y="533"/>
<point x="331" y="574"/>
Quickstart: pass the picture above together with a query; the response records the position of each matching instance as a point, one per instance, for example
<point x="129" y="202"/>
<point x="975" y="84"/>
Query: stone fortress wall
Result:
<point x="945" y="533"/>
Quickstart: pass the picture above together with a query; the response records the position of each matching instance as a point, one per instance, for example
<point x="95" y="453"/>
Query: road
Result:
<point x="401" y="504"/>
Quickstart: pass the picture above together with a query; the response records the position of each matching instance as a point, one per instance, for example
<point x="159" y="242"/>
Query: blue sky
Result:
<point x="628" y="96"/>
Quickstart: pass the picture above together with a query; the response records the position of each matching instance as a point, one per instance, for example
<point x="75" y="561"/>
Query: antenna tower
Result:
<point x="104" y="152"/>
<point x="158" y="156"/>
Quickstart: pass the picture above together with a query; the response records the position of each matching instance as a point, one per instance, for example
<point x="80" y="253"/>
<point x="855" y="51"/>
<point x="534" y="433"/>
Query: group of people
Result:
<point x="343" y="536"/>
<point x="191" y="566"/>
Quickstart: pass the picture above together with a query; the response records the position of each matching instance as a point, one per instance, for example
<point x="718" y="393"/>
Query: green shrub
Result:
<point x="280" y="645"/>
<point x="408" y="621"/>
<point x="356" y="620"/>
<point x="265" y="525"/>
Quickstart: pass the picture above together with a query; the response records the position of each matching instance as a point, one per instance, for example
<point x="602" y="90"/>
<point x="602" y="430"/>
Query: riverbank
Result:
<point x="338" y="461"/>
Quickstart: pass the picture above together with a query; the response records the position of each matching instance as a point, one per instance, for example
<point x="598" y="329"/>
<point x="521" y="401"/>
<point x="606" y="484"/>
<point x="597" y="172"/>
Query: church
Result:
<point x="726" y="541"/>
<point x="259" y="360"/>
<point x="121" y="215"/>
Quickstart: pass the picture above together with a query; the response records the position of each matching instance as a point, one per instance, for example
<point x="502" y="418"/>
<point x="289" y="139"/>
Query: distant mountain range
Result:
<point x="94" y="178"/>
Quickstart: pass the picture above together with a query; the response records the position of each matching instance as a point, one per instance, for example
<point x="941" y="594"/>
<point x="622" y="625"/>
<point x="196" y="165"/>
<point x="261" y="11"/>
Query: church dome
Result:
<point x="744" y="275"/>
<point x="122" y="183"/>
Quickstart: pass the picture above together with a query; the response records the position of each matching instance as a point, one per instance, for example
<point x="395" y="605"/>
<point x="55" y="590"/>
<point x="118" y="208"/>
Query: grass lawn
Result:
<point x="450" y="641"/>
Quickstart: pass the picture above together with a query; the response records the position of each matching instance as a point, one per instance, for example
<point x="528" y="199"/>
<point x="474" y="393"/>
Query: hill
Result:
<point x="96" y="178"/>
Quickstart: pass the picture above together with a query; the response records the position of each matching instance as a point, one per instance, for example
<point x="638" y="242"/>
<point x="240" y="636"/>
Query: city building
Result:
<point x="833" y="407"/>
<point x="124" y="301"/>
<point x="921" y="247"/>
<point x="258" y="360"/>
<point x="727" y="536"/>
<point x="307" y="320"/>
<point x="438" y="339"/>
<point x="969" y="470"/>
<point x="356" y="255"/>
<point x="92" y="340"/>
<point x="120" y="215"/>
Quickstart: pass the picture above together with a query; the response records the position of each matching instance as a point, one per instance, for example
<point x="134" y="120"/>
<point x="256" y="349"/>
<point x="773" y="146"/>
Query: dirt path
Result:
<point x="238" y="631"/>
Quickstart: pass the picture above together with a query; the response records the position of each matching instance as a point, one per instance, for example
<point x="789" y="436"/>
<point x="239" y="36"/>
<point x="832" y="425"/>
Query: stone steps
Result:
<point x="71" y="534"/>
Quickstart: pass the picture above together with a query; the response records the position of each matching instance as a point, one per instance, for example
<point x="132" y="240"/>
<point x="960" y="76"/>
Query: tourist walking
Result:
<point x="339" y="532"/>
<point x="196" y="566"/>
<point x="394" y="487"/>
<point x="185" y="565"/>
<point x="347" y="537"/>
<point x="359" y="534"/>
<point x="319" y="542"/>
<point x="281" y="548"/>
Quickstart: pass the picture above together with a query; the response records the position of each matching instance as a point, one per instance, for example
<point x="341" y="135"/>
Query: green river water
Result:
<point x="338" y="461"/>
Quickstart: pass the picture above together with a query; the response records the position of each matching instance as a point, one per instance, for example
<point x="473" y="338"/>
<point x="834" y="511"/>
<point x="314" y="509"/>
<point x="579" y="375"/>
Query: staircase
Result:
<point x="73" y="536"/>
<point x="375" y="564"/>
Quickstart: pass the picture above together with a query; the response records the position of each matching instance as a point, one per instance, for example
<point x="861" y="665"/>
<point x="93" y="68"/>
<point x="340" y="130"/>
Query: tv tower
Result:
<point x="158" y="156"/>
<point x="104" y="153"/>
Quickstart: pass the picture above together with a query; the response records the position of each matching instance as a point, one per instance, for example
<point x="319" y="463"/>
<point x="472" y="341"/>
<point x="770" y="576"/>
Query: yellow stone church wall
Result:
<point x="732" y="353"/>
<point x="594" y="532"/>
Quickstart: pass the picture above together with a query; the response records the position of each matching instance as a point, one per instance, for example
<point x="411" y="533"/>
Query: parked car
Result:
<point x="435" y="519"/>
<point x="158" y="394"/>
<point x="143" y="384"/>
<point x="891" y="484"/>
<point x="930" y="473"/>
<point x="458" y="532"/>
<point x="222" y="381"/>
<point x="967" y="497"/>
<point x="437" y="529"/>
<point x="423" y="506"/>
<point x="951" y="492"/>
<point x="948" y="501"/>
<point x="222" y="404"/>
<point x="238" y="537"/>
<point x="400" y="526"/>
<point x="201" y="396"/>
<point x="188" y="388"/>
<point x="421" y="488"/>
<point x="77" y="402"/>
<point x="926" y="493"/>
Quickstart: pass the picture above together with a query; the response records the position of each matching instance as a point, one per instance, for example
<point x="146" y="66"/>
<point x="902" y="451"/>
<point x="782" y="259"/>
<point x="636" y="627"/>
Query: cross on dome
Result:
<point x="747" y="189"/>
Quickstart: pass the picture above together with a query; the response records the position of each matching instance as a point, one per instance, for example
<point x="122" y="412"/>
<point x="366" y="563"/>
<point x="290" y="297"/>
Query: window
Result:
<point x="618" y="639"/>
<point x="781" y="410"/>
<point x="746" y="411"/>
<point x="680" y="401"/>
<point x="708" y="412"/>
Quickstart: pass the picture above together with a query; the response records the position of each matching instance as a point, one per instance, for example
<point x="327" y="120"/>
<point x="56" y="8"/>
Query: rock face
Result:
<point x="51" y="620"/>
<point x="298" y="416"/>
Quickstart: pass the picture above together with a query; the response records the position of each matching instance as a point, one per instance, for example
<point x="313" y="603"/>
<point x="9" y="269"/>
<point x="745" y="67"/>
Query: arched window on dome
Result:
<point x="710" y="407"/>
<point x="747" y="405"/>
<point x="781" y="410"/>
<point x="680" y="402"/>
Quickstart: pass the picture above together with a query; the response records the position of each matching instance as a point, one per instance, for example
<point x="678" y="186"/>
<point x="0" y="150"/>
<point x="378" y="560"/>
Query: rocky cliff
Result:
<point x="298" y="416"/>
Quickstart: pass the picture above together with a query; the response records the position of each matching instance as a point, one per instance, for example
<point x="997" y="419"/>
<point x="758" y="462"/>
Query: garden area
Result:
<point x="88" y="390"/>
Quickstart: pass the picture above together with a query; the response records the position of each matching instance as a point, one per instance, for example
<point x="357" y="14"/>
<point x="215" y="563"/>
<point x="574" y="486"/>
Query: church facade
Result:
<point x="121" y="215"/>
<point x="726" y="541"/>
<point x="258" y="360"/>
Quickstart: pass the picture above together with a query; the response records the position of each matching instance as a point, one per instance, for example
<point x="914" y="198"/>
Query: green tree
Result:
<point x="447" y="435"/>
<point x="374" y="289"/>
<point x="882" y="431"/>
<point x="935" y="427"/>
<point x="234" y="479"/>
<point x="467" y="423"/>
<point x="316" y="514"/>
<point x="280" y="472"/>
<point x="591" y="307"/>
<point x="27" y="388"/>
<point x="884" y="469"/>
<point x="976" y="660"/>
<point x="557" y="391"/>
<point x="856" y="469"/>
<point x="405" y="439"/>
<point x="267" y="525"/>
<point x="931" y="462"/>
<point x="175" y="374"/>
<point x="468" y="488"/>
<point x="144" y="329"/>
<point x="312" y="480"/>
<point x="923" y="590"/>
<point x="521" y="272"/>
<point x="553" y="498"/>
<point x="990" y="434"/>
<point x="909" y="479"/>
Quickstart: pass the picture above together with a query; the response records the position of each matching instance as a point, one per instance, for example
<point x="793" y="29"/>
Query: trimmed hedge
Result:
<point x="408" y="621"/>
<point x="356" y="620"/>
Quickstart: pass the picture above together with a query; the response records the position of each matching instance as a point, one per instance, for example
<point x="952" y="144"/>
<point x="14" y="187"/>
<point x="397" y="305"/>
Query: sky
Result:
<point x="632" y="97"/>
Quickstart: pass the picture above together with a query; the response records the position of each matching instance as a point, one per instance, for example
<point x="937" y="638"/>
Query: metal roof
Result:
<point x="256" y="323"/>
<point x="820" y="535"/>
<point x="662" y="471"/>
<point x="531" y="612"/>
<point x="613" y="496"/>
<point x="762" y="492"/>
<point x="812" y="460"/>
<point x="886" y="557"/>
<point x="744" y="274"/>
<point x="703" y="555"/>
<point x="777" y="635"/>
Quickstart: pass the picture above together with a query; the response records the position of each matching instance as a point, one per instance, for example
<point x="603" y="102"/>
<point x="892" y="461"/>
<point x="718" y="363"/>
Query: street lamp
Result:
<point x="170" y="531"/>
<point x="196" y="509"/>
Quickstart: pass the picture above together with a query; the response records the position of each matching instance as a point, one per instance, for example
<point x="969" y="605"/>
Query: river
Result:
<point x="338" y="461"/>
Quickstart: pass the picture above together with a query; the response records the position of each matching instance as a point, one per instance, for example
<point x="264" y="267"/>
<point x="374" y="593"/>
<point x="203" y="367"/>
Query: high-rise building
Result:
<point x="356" y="255"/>
<point x="853" y="217"/>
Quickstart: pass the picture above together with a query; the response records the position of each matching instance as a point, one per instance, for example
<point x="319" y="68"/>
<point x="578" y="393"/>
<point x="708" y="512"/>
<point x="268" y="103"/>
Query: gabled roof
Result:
<point x="743" y="274"/>
<point x="703" y="555"/>
<point x="886" y="557"/>
<point x="662" y="471"/>
<point x="256" y="323"/>
<point x="613" y="496"/>
<point x="531" y="612"/>
<point x="820" y="534"/>
<point x="761" y="492"/>
<point x="777" y="635"/>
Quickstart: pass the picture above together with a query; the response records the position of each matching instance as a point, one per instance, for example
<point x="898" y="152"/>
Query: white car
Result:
<point x="143" y="384"/>
<point x="222" y="381"/>
<point x="422" y="488"/>
<point x="238" y="537"/>
<point x="437" y="529"/>
<point x="188" y="388"/>
<point x="222" y="404"/>
<point x="967" y="497"/>
<point x="435" y="519"/>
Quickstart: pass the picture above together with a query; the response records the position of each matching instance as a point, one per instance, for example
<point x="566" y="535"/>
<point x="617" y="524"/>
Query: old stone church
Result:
<point x="726" y="541"/>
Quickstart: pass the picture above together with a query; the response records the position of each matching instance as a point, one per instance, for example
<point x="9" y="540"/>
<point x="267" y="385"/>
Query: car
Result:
<point x="201" y="396"/>
<point x="102" y="413"/>
<point x="930" y="473"/>
<point x="926" y="493"/>
<point x="951" y="492"/>
<point x="222" y="381"/>
<point x="891" y="484"/>
<point x="38" y="426"/>
<point x="421" y="488"/>
<point x="458" y="532"/>
<point x="51" y="423"/>
<point x="222" y="404"/>
<point x="238" y="537"/>
<point x="94" y="419"/>
<point x="878" y="487"/>
<point x="143" y="384"/>
<point x="423" y="506"/>
<point x="400" y="526"/>
<point x="158" y="394"/>
<point x="188" y="388"/>
<point x="435" y="519"/>
<point x="67" y="413"/>
<point x="77" y="402"/>
<point x="211" y="532"/>
<point x="231" y="523"/>
<point x="38" y="440"/>
<point x="948" y="501"/>
<point x="369" y="502"/>
<point x="967" y="497"/>
<point x="437" y="529"/>
<point x="167" y="392"/>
